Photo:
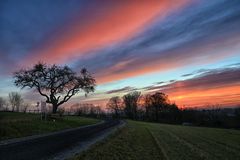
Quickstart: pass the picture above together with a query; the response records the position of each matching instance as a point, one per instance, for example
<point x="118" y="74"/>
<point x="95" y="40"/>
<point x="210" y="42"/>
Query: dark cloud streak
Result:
<point x="215" y="78"/>
<point x="121" y="90"/>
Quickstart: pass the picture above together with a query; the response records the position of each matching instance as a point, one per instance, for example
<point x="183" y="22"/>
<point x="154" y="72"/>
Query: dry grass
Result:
<point x="14" y="125"/>
<point x="150" y="141"/>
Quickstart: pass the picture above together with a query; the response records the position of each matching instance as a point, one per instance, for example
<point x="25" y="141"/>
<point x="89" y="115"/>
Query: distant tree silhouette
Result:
<point x="88" y="110"/>
<point x="237" y="113"/>
<point x="131" y="102"/>
<point x="2" y="103"/>
<point x="25" y="106"/>
<point x="15" y="99"/>
<point x="56" y="83"/>
<point x="158" y="108"/>
<point x="115" y="105"/>
<point x="155" y="104"/>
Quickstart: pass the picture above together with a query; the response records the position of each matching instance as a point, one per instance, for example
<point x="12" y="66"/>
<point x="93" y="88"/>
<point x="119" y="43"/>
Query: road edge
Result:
<point x="27" y="138"/>
<point x="83" y="146"/>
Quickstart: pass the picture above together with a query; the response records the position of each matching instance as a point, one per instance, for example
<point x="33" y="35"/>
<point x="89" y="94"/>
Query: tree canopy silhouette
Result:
<point x="15" y="99"/>
<point x="156" y="103"/>
<point x="115" y="105"/>
<point x="56" y="83"/>
<point x="130" y="100"/>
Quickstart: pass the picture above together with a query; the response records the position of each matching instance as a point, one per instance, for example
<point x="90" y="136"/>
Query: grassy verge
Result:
<point x="14" y="125"/>
<point x="149" y="141"/>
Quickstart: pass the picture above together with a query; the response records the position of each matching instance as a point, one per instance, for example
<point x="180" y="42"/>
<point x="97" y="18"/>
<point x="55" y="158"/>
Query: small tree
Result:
<point x="2" y="103"/>
<point x="131" y="101"/>
<point x="25" y="106"/>
<point x="15" y="100"/>
<point x="56" y="83"/>
<point x="115" y="105"/>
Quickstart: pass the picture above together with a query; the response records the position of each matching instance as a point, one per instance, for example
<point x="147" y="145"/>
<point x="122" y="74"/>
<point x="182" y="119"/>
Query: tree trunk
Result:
<point x="54" y="108"/>
<point x="13" y="108"/>
<point x="157" y="114"/>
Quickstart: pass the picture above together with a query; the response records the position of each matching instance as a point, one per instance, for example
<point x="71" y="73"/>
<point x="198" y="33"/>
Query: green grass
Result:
<point x="14" y="125"/>
<point x="150" y="141"/>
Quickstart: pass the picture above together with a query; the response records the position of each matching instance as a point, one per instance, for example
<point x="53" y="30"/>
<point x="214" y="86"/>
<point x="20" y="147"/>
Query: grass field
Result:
<point x="14" y="125"/>
<point x="149" y="141"/>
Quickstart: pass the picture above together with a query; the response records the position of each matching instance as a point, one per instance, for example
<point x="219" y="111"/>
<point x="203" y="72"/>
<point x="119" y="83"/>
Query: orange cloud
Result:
<point x="220" y="86"/>
<point x="116" y="23"/>
<point x="225" y="96"/>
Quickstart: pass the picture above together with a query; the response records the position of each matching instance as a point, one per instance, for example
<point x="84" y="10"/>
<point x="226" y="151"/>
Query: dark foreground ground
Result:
<point x="46" y="146"/>
<point x="14" y="124"/>
<point x="152" y="141"/>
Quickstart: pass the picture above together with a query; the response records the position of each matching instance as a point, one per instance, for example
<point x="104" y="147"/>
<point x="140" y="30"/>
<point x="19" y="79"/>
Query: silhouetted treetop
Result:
<point x="131" y="103"/>
<point x="115" y="105"/>
<point x="157" y="99"/>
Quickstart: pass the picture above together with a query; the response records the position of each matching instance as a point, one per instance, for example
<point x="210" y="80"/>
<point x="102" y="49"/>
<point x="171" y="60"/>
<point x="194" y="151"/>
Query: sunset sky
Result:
<point x="188" y="49"/>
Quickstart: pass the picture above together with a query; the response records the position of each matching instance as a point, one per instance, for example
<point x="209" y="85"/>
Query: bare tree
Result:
<point x="131" y="102"/>
<point x="56" y="83"/>
<point x="2" y="103"/>
<point x="15" y="99"/>
<point x="156" y="103"/>
<point x="115" y="105"/>
<point x="25" y="106"/>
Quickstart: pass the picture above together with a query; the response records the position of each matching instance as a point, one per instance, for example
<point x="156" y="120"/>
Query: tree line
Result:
<point x="14" y="103"/>
<point x="151" y="107"/>
<point x="157" y="107"/>
<point x="86" y="110"/>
